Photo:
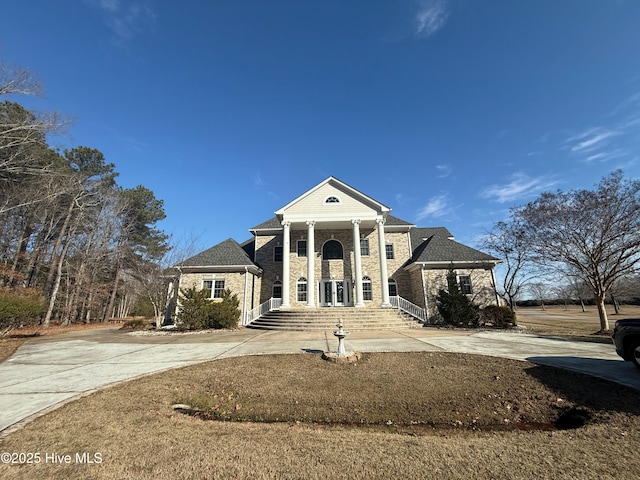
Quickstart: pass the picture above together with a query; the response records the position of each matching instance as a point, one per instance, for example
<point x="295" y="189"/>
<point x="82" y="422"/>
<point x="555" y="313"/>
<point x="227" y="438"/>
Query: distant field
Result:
<point x="571" y="320"/>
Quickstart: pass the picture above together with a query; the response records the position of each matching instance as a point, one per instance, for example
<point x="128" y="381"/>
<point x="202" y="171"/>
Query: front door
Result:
<point x="334" y="293"/>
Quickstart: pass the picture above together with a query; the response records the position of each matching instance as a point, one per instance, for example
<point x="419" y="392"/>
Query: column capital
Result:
<point x="311" y="223"/>
<point x="380" y="221"/>
<point x="356" y="221"/>
<point x="286" y="223"/>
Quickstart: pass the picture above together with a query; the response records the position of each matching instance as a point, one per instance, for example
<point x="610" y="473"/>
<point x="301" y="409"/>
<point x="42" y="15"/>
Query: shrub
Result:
<point x="198" y="312"/>
<point x="136" y="324"/>
<point x="20" y="307"/>
<point x="499" y="317"/>
<point x="454" y="307"/>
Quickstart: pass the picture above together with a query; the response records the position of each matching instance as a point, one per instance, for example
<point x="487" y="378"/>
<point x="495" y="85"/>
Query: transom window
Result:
<point x="364" y="247"/>
<point x="332" y="199"/>
<point x="332" y="250"/>
<point x="366" y="288"/>
<point x="215" y="288"/>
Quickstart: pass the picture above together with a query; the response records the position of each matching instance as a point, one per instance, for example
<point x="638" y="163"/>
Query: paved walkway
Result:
<point x="45" y="372"/>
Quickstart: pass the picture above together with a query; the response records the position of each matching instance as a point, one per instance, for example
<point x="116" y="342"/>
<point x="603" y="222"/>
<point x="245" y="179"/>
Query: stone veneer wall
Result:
<point x="338" y="269"/>
<point x="272" y="270"/>
<point x="481" y="283"/>
<point x="233" y="281"/>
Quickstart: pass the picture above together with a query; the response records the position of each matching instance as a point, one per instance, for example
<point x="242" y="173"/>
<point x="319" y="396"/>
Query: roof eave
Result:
<point x="220" y="268"/>
<point x="456" y="264"/>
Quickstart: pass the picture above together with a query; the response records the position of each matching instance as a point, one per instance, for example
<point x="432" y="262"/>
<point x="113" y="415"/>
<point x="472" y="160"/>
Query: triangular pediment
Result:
<point x="332" y="200"/>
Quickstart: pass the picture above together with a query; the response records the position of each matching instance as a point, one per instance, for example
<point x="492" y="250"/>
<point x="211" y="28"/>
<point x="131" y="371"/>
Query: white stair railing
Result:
<point x="412" y="309"/>
<point x="262" y="309"/>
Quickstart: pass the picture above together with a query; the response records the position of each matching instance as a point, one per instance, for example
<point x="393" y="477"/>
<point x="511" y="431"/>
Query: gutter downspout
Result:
<point x="495" y="288"/>
<point x="244" y="295"/>
<point x="424" y="292"/>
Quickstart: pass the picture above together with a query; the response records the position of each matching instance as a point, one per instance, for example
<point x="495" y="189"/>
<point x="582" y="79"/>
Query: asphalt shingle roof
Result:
<point x="437" y="245"/>
<point x="269" y="224"/>
<point x="228" y="252"/>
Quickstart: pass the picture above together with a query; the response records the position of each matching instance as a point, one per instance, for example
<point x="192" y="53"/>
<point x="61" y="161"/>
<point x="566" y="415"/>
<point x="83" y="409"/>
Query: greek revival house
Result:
<point x="334" y="246"/>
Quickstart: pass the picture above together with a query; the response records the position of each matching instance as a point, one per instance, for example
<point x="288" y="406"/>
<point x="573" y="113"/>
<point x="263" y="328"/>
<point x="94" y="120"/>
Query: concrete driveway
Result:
<point x="47" y="372"/>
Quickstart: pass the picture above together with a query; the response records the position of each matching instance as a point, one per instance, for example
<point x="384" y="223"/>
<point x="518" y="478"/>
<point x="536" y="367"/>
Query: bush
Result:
<point x="198" y="312"/>
<point x="20" y="307"/>
<point x="454" y="307"/>
<point x="498" y="317"/>
<point x="136" y="324"/>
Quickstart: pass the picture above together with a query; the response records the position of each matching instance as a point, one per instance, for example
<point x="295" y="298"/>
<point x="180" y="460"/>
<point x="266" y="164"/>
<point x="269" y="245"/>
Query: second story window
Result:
<point x="302" y="248"/>
<point x="389" y="251"/>
<point x="364" y="247"/>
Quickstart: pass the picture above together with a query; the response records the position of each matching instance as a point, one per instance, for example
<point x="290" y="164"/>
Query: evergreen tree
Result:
<point x="454" y="306"/>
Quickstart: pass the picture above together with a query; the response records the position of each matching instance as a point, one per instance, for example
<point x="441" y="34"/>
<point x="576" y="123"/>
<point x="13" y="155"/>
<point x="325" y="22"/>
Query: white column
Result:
<point x="384" y="276"/>
<point x="311" y="256"/>
<point x="286" y="248"/>
<point x="357" y="261"/>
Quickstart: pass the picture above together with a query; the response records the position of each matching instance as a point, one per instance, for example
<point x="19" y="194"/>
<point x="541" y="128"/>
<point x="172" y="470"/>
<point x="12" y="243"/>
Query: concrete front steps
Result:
<point x="354" y="319"/>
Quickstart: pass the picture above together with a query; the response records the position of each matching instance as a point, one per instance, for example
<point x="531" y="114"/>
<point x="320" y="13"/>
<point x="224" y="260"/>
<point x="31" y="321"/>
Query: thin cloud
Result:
<point x="591" y="139"/>
<point x="606" y="156"/>
<point x="435" y="207"/>
<point x="431" y="17"/>
<point x="258" y="181"/>
<point x="444" y="170"/>
<point x="126" y="20"/>
<point x="520" y="187"/>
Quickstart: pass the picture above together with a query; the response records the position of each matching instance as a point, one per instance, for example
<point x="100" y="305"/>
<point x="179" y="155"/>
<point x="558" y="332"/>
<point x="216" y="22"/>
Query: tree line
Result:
<point x="584" y="242"/>
<point x="74" y="245"/>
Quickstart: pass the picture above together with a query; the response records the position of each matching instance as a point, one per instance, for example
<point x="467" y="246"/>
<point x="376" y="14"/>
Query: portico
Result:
<point x="334" y="285"/>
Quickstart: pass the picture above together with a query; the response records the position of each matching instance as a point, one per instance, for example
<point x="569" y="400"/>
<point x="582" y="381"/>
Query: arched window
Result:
<point x="366" y="288"/>
<point x="301" y="288"/>
<point x="277" y="289"/>
<point x="332" y="199"/>
<point x="332" y="250"/>
<point x="393" y="288"/>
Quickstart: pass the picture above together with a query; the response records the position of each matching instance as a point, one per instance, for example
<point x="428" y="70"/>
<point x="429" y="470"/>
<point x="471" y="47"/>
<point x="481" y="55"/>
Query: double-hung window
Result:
<point x="364" y="247"/>
<point x="464" y="282"/>
<point x="388" y="248"/>
<point x="366" y="289"/>
<point x="302" y="248"/>
<point x="215" y="288"/>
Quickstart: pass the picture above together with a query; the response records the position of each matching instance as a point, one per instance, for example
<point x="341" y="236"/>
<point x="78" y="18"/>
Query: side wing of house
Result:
<point x="435" y="253"/>
<point x="227" y="265"/>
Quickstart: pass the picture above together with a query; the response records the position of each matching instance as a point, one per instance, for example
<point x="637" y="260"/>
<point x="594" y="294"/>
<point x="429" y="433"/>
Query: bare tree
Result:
<point x="595" y="233"/>
<point x="510" y="241"/>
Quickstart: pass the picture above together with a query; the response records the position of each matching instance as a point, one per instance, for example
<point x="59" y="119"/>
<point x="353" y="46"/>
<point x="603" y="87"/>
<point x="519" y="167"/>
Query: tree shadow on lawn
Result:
<point x="587" y="390"/>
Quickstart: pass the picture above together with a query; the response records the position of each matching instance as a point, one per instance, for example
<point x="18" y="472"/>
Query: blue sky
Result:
<point x="448" y="111"/>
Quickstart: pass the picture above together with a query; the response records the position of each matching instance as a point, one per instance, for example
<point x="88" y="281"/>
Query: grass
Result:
<point x="413" y="415"/>
<point x="571" y="321"/>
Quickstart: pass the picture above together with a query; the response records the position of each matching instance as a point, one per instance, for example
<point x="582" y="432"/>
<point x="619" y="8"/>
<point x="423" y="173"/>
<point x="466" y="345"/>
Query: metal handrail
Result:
<point x="262" y="309"/>
<point x="410" y="308"/>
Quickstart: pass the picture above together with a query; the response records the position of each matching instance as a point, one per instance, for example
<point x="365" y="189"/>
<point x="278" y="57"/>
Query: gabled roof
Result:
<point x="340" y="185"/>
<point x="227" y="254"/>
<point x="436" y="246"/>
